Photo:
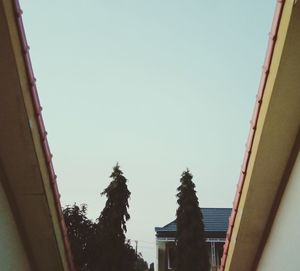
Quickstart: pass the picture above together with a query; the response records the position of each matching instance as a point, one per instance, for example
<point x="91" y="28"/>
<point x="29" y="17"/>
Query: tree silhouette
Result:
<point x="191" y="249"/>
<point x="113" y="252"/>
<point x="141" y="264"/>
<point x="80" y="232"/>
<point x="101" y="245"/>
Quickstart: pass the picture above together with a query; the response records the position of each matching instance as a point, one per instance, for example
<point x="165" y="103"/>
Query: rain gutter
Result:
<point x="253" y="125"/>
<point x="42" y="132"/>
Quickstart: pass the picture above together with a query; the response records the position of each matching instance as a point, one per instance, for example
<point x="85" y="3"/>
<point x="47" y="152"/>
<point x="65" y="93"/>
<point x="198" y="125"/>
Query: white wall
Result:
<point x="282" y="249"/>
<point x="12" y="253"/>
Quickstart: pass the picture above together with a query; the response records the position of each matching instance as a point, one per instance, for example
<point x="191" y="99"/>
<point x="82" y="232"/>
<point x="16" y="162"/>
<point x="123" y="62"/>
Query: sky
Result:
<point x="158" y="86"/>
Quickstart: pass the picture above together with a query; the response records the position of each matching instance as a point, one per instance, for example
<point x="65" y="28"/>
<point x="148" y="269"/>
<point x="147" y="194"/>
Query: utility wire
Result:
<point x="146" y="247"/>
<point x="148" y="242"/>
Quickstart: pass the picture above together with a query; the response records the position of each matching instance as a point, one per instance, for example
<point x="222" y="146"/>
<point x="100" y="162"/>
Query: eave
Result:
<point x="26" y="168"/>
<point x="271" y="144"/>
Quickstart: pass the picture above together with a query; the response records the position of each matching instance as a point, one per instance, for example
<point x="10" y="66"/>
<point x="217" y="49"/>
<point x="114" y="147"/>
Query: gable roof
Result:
<point x="271" y="144"/>
<point x="32" y="189"/>
<point x="214" y="219"/>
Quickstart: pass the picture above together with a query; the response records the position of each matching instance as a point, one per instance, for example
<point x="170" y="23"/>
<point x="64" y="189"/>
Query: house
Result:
<point x="32" y="229"/>
<point x="263" y="232"/>
<point x="215" y="222"/>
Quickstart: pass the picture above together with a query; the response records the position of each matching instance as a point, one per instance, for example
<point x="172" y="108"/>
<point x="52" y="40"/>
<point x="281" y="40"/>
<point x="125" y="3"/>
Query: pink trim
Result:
<point x="255" y="116"/>
<point x="42" y="131"/>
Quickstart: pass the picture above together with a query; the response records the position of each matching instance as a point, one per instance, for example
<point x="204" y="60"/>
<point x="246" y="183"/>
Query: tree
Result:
<point x="80" y="232"/>
<point x="191" y="249"/>
<point x="101" y="245"/>
<point x="141" y="264"/>
<point x="113" y="253"/>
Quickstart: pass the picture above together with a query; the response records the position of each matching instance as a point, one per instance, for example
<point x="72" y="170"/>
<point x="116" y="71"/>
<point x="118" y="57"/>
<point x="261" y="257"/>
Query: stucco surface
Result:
<point x="12" y="253"/>
<point x="282" y="248"/>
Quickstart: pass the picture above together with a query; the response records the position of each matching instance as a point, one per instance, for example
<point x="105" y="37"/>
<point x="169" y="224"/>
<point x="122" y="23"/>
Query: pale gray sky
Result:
<point x="156" y="85"/>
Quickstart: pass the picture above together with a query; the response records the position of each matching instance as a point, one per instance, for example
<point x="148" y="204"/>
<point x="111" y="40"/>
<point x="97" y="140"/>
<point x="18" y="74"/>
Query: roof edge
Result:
<point x="41" y="128"/>
<point x="253" y="123"/>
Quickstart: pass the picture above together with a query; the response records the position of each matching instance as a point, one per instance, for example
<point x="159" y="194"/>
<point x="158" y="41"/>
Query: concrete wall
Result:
<point x="282" y="248"/>
<point x="12" y="253"/>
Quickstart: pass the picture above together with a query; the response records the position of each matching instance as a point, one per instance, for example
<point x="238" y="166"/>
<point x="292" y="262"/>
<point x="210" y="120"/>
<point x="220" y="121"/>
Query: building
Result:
<point x="32" y="230"/>
<point x="263" y="232"/>
<point x="215" y="222"/>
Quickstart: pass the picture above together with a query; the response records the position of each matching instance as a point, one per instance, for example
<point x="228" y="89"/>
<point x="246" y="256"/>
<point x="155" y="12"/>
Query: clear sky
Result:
<point x="156" y="85"/>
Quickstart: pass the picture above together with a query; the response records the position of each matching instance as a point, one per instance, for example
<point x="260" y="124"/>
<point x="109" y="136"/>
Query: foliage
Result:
<point x="102" y="245"/>
<point x="141" y="264"/>
<point x="113" y="252"/>
<point x="191" y="249"/>
<point x="80" y="231"/>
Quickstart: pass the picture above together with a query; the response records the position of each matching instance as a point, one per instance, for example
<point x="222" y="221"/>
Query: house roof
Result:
<point x="32" y="189"/>
<point x="269" y="145"/>
<point x="214" y="219"/>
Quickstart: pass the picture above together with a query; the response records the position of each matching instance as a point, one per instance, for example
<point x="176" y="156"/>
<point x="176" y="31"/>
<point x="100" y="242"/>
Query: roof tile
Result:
<point x="214" y="219"/>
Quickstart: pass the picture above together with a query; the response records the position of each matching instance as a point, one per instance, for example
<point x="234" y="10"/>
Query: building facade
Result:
<point x="215" y="222"/>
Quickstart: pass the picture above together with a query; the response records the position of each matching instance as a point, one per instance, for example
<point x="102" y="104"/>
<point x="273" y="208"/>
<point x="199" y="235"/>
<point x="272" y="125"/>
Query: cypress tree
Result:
<point x="111" y="248"/>
<point x="191" y="249"/>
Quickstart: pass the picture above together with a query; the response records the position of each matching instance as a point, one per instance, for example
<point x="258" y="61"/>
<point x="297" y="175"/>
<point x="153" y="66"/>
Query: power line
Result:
<point x="141" y="241"/>
<point x="146" y="247"/>
<point x="148" y="242"/>
<point x="136" y="242"/>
